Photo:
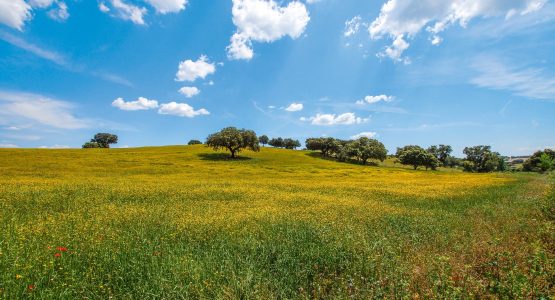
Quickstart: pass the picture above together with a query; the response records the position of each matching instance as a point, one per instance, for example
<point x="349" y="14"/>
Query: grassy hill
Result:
<point x="186" y="222"/>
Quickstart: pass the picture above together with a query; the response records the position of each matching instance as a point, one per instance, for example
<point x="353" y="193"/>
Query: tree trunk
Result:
<point x="232" y="152"/>
<point x="415" y="167"/>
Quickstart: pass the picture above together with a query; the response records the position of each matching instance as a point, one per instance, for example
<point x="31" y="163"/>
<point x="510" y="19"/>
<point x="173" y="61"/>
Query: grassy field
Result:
<point x="184" y="222"/>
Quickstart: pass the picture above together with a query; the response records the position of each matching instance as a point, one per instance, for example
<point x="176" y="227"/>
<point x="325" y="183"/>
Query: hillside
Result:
<point x="184" y="221"/>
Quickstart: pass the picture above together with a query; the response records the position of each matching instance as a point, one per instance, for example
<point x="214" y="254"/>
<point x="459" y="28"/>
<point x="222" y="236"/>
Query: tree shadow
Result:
<point x="346" y="161"/>
<point x="221" y="157"/>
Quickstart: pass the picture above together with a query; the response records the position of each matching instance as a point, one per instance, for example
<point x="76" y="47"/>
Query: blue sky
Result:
<point x="161" y="72"/>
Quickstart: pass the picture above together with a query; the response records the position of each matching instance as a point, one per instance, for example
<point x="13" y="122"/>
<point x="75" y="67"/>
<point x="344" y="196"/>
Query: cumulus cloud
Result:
<point x="332" y="119"/>
<point x="168" y="6"/>
<point x="403" y="19"/>
<point x="352" y="26"/>
<point x="189" y="70"/>
<point x="125" y="11"/>
<point x="264" y="21"/>
<point x="17" y="107"/>
<point x="368" y="134"/>
<point x="189" y="91"/>
<point x="139" y="104"/>
<point x="60" y="13"/>
<point x="181" y="110"/>
<point x="375" y="99"/>
<point x="14" y="13"/>
<point x="294" y="107"/>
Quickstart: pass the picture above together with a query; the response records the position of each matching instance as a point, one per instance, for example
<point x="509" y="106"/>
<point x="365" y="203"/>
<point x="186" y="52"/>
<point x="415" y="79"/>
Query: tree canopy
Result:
<point x="481" y="159"/>
<point x="442" y="153"/>
<point x="416" y="156"/>
<point x="263" y="140"/>
<point x="540" y="161"/>
<point x="364" y="149"/>
<point x="234" y="140"/>
<point x="194" y="142"/>
<point x="101" y="140"/>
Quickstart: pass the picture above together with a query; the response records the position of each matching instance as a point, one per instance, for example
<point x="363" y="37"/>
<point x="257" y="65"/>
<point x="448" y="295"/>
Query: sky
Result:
<point x="162" y="72"/>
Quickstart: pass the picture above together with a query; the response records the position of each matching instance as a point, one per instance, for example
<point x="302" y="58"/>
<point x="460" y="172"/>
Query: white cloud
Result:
<point x="332" y="119"/>
<point x="368" y="134"/>
<point x="240" y="47"/>
<point x="124" y="11"/>
<point x="402" y="19"/>
<point x="8" y="146"/>
<point x="189" y="70"/>
<point x="17" y="106"/>
<point x="264" y="21"/>
<point x="14" y="13"/>
<point x="189" y="91"/>
<point x="56" y="146"/>
<point x="139" y="104"/>
<point x="375" y="99"/>
<point x="396" y="50"/>
<point x="103" y="8"/>
<point x="60" y="13"/>
<point x="168" y="6"/>
<point x="41" y="3"/>
<point x="352" y="26"/>
<point x="181" y="110"/>
<point x="522" y="81"/>
<point x="295" y="107"/>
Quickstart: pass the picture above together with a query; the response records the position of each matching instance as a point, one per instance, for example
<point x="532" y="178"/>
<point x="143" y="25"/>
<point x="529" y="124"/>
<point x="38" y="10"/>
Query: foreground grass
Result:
<point x="184" y="222"/>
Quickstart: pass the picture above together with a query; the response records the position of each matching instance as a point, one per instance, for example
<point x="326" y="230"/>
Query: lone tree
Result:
<point x="263" y="139"/>
<point x="194" y="142"/>
<point x="481" y="159"/>
<point x="234" y="140"/>
<point x="416" y="156"/>
<point x="102" y="140"/>
<point x="364" y="149"/>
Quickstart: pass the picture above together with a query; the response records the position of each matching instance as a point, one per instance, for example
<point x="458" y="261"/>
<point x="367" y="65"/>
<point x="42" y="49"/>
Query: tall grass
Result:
<point x="183" y="222"/>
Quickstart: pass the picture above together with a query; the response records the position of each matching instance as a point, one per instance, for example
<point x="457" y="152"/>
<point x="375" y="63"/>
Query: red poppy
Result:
<point x="58" y="254"/>
<point x="30" y="287"/>
<point x="63" y="249"/>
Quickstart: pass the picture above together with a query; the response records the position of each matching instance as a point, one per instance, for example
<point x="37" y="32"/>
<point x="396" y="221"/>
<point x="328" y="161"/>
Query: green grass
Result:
<point x="185" y="222"/>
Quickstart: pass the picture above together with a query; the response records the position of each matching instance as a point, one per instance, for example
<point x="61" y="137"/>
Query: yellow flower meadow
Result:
<point x="185" y="222"/>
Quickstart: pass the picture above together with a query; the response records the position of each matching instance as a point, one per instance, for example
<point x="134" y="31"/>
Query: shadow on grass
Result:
<point x="221" y="157"/>
<point x="347" y="161"/>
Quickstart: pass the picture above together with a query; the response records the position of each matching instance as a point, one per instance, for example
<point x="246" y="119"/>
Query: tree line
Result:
<point x="479" y="159"/>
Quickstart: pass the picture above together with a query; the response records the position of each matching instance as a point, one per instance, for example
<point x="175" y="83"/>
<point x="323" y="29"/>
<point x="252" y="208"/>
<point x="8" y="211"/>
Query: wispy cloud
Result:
<point x="428" y="127"/>
<point x="528" y="82"/>
<point x="111" y="77"/>
<point x="38" y="109"/>
<point x="59" y="59"/>
<point x="36" y="50"/>
<point x="3" y="145"/>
